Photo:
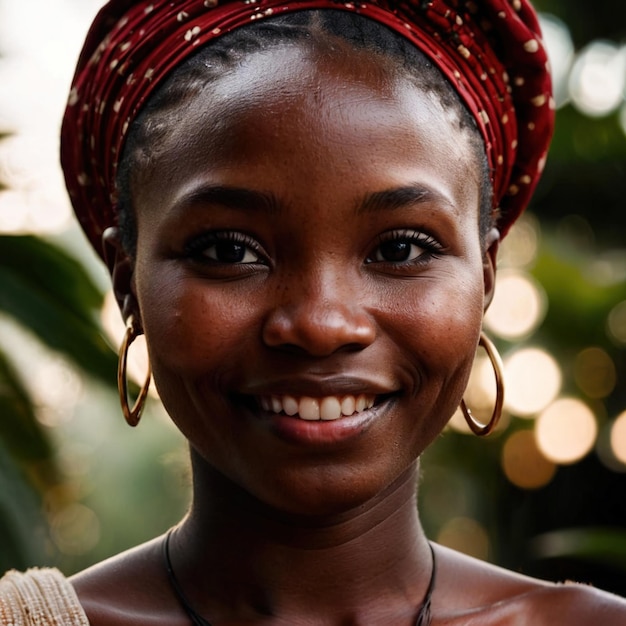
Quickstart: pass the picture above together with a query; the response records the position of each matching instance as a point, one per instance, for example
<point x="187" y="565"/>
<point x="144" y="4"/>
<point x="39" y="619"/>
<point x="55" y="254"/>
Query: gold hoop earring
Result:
<point x="496" y="362"/>
<point x="131" y="415"/>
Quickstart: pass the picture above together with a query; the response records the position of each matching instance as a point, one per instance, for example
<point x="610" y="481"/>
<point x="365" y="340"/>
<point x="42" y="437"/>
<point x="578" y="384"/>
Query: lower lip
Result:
<point x="320" y="432"/>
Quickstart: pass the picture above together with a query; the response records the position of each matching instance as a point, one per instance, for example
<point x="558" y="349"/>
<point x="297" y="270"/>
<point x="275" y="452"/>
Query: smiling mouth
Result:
<point x="327" y="408"/>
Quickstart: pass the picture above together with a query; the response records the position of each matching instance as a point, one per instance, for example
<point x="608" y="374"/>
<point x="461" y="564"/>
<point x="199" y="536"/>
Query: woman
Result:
<point x="300" y="204"/>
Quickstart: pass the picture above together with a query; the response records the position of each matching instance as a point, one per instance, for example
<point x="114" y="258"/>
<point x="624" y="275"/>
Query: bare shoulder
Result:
<point x="578" y="605"/>
<point x="129" y="588"/>
<point x="476" y="592"/>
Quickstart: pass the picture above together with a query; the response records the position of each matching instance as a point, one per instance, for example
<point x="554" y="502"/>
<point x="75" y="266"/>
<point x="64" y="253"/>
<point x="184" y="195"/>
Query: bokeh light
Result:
<point x="594" y="372"/>
<point x="618" y="438"/>
<point x="560" y="48"/>
<point x="598" y="78"/>
<point x="57" y="388"/>
<point x="533" y="379"/>
<point x="520" y="248"/>
<point x="465" y="535"/>
<point x="76" y="458"/>
<point x="608" y="268"/>
<point x="518" y="306"/>
<point x="523" y="463"/>
<point x="566" y="431"/>
<point x="75" y="529"/>
<point x="616" y="323"/>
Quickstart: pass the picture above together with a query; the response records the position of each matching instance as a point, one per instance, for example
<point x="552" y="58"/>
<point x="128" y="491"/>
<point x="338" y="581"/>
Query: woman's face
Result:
<point x="308" y="245"/>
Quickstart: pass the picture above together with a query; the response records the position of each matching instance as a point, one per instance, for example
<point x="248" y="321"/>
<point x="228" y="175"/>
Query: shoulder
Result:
<point x="577" y="604"/>
<point x="481" y="593"/>
<point x="130" y="588"/>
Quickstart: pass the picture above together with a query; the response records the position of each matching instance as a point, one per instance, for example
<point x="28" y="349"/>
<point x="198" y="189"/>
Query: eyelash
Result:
<point x="197" y="248"/>
<point x="430" y="246"/>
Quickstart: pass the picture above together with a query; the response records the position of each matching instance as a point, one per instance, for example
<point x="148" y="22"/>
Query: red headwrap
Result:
<point x="490" y="51"/>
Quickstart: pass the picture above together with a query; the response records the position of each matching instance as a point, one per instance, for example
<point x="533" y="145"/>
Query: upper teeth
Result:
<point x="326" y="408"/>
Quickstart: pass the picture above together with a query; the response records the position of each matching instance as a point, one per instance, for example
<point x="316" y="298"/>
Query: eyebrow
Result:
<point x="231" y="197"/>
<point x="242" y="199"/>
<point x="400" y="197"/>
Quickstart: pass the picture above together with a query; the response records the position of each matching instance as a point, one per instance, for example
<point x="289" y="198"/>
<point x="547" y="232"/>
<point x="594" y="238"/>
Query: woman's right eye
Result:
<point x="226" y="248"/>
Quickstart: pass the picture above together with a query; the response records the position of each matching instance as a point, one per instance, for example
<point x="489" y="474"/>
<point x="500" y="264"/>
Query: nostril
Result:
<point x="318" y="331"/>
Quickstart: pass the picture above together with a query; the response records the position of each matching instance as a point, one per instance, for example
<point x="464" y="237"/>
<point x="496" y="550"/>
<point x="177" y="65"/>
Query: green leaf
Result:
<point x="52" y="295"/>
<point x="19" y="428"/>
<point x="23" y="528"/>
<point x="601" y="545"/>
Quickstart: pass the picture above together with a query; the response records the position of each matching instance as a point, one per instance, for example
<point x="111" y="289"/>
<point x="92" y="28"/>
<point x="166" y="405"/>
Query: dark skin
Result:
<point x="320" y="242"/>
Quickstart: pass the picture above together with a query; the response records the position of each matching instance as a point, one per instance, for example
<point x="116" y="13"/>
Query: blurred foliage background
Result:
<point x="544" y="495"/>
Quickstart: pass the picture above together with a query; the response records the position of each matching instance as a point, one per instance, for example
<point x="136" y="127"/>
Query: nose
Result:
<point x="319" y="319"/>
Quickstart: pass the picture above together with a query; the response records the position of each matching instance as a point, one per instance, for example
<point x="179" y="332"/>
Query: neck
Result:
<point x="354" y="565"/>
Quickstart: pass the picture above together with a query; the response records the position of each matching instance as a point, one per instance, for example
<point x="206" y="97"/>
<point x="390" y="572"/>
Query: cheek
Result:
<point x="437" y="322"/>
<point x="191" y="326"/>
<point x="436" y="332"/>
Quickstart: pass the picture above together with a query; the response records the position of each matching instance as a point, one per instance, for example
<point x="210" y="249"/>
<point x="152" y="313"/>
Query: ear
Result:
<point x="492" y="244"/>
<point x="121" y="266"/>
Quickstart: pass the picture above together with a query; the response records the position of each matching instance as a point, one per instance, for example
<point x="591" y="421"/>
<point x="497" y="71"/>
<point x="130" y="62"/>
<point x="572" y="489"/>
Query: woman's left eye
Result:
<point x="404" y="247"/>
<point x="230" y="252"/>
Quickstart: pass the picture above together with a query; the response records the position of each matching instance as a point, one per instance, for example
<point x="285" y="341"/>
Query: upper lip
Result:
<point x="318" y="386"/>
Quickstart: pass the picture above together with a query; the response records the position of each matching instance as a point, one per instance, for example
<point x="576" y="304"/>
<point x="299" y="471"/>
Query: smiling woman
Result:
<point x="274" y="278"/>
<point x="300" y="205"/>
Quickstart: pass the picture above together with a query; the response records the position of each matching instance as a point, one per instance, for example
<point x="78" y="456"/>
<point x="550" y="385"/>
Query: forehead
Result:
<point x="294" y="110"/>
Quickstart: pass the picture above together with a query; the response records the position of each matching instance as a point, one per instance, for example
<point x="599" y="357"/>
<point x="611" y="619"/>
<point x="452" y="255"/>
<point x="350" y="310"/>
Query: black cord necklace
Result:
<point x="423" y="617"/>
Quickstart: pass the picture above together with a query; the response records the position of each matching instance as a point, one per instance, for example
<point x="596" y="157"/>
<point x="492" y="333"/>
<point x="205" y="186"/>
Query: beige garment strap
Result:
<point x="39" y="597"/>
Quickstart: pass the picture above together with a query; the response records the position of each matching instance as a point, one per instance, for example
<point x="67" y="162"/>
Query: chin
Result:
<point x="338" y="496"/>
